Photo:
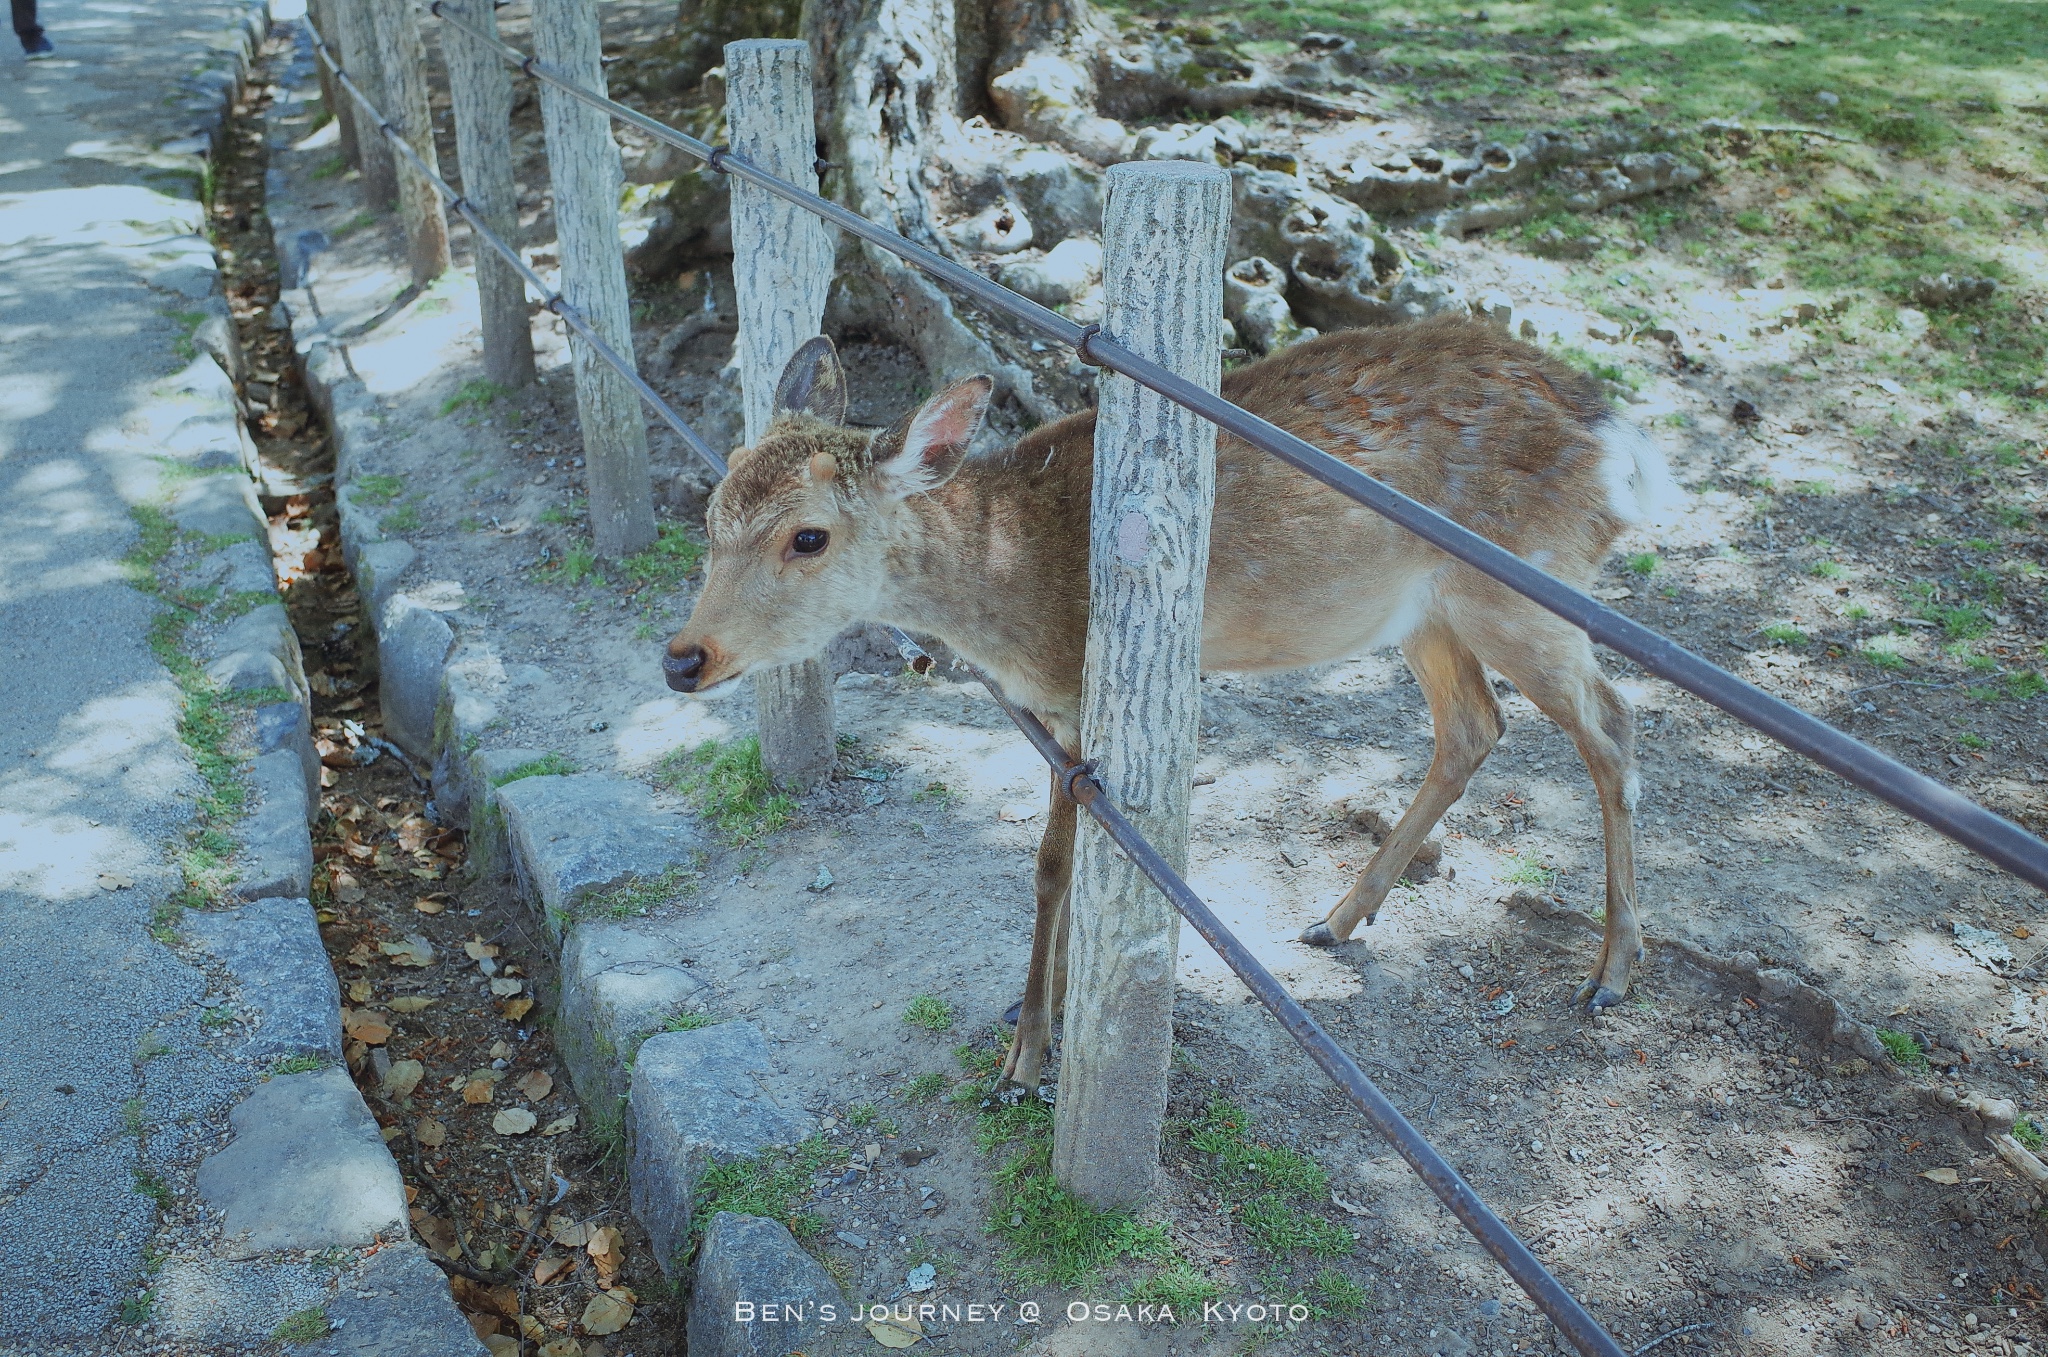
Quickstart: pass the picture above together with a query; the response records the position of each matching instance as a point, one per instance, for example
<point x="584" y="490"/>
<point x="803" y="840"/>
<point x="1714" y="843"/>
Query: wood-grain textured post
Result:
<point x="781" y="270"/>
<point x="480" y="87"/>
<point x="403" y="59"/>
<point x="583" y="163"/>
<point x="1164" y="228"/>
<point x="358" y="46"/>
<point x="332" y="97"/>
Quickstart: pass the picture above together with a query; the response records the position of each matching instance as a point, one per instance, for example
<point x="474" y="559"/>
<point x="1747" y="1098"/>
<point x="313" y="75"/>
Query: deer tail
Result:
<point x="1639" y="485"/>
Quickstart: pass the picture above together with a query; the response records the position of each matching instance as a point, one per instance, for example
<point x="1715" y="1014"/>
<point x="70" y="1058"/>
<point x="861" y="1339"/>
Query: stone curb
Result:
<point x="307" y="1168"/>
<point x="690" y="1099"/>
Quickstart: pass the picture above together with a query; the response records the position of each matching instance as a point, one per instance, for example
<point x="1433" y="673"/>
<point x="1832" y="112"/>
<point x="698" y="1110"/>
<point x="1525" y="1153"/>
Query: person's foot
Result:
<point x="38" y="49"/>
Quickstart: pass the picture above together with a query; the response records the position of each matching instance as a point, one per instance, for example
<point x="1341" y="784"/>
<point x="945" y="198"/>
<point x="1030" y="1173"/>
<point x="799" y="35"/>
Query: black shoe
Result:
<point x="38" y="48"/>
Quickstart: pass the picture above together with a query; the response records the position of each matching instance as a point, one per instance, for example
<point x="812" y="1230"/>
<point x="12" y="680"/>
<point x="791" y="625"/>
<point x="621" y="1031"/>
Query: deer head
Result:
<point x="805" y="524"/>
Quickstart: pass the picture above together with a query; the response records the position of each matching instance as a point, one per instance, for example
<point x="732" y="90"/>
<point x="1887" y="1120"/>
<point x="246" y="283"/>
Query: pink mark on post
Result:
<point x="1133" y="538"/>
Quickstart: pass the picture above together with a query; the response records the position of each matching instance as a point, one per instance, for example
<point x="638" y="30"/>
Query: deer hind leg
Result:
<point x="1552" y="663"/>
<point x="1045" y="983"/>
<point x="1468" y="725"/>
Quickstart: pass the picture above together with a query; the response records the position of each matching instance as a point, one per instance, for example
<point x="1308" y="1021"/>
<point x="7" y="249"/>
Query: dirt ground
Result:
<point x="1861" y="534"/>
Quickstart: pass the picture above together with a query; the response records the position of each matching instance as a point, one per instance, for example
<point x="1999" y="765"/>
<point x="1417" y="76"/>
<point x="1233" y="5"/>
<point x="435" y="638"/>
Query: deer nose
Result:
<point x="682" y="670"/>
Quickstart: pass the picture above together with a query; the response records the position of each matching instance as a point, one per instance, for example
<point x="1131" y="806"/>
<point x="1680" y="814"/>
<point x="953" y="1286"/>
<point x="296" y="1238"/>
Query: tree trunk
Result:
<point x="704" y="27"/>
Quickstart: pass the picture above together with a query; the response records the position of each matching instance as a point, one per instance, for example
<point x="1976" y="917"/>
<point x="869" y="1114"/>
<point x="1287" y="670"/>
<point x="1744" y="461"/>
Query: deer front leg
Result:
<point x="1045" y="983"/>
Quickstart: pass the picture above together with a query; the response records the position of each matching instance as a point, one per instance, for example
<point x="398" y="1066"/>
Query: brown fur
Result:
<point x="993" y="560"/>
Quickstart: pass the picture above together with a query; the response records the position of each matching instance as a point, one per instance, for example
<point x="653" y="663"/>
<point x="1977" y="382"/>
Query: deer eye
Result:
<point x="809" y="541"/>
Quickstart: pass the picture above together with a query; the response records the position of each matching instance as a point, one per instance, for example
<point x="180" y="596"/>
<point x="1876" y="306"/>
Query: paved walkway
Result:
<point x="102" y="276"/>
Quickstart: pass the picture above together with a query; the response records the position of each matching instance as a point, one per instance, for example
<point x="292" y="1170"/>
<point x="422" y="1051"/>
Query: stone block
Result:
<point x="619" y="985"/>
<point x="490" y="851"/>
<point x="273" y="948"/>
<point x="467" y="708"/>
<point x="222" y="507"/>
<point x="277" y="851"/>
<point x="245" y="568"/>
<point x="377" y="565"/>
<point x="413" y="642"/>
<point x="575" y="835"/>
<point x="289" y="726"/>
<point x="699" y="1098"/>
<point x="397" y="1305"/>
<point x="259" y="649"/>
<point x="748" y="1259"/>
<point x="307" y="1170"/>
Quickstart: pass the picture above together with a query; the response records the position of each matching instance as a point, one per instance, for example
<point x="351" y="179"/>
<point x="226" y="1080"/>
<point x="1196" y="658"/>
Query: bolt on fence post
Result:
<point x="782" y="269"/>
<point x="583" y="163"/>
<point x="403" y="58"/>
<point x="332" y="97"/>
<point x="480" y="88"/>
<point x="357" y="42"/>
<point x="1164" y="226"/>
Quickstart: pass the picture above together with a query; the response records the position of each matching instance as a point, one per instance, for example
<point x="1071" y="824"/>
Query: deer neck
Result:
<point x="995" y="564"/>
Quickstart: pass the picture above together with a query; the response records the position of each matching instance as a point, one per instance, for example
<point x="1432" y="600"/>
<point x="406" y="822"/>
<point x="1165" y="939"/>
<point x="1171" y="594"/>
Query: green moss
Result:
<point x="376" y="489"/>
<point x="475" y="394"/>
<point x="303" y="1327"/>
<point x="640" y="896"/>
<point x="547" y="765"/>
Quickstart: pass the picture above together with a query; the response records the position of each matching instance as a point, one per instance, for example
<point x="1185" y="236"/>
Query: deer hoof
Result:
<point x="1596" y="996"/>
<point x="1013" y="1012"/>
<point x="1319" y="935"/>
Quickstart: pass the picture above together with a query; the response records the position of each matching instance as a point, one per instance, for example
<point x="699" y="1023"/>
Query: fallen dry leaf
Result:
<point x="547" y="1269"/>
<point x="346" y="888"/>
<point x="567" y="1231"/>
<point x="534" y="1330"/>
<point x="513" y="1121"/>
<point x="559" y="1125"/>
<point x="515" y="1009"/>
<point x="359" y="991"/>
<point x="411" y="1003"/>
<point x="503" y="1345"/>
<point x="504" y="989"/>
<point x="607" y="1249"/>
<point x="480" y="1296"/>
<point x="414" y="951"/>
<point x="1016" y="813"/>
<point x="430" y="1133"/>
<point x="477" y="1091"/>
<point x="360" y="954"/>
<point x="561" y="1347"/>
<point x="536" y="1085"/>
<point x="896" y="1333"/>
<point x="428" y="905"/>
<point x="365" y="1026"/>
<point x="1946" y="1177"/>
<point x="479" y="949"/>
<point x="402" y="1078"/>
<point x="436" y="1233"/>
<point x="115" y="881"/>
<point x="412" y="833"/>
<point x="607" y="1313"/>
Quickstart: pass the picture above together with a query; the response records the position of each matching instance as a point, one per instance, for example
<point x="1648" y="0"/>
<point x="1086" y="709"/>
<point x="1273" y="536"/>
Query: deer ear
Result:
<point x="922" y="450"/>
<point x="813" y="383"/>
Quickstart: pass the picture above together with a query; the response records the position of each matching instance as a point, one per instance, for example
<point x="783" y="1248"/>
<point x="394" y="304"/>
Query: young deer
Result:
<point x="819" y="526"/>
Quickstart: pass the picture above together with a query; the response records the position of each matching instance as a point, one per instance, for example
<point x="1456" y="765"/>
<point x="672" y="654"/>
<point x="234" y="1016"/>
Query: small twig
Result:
<point x="1664" y="1337"/>
<point x="1898" y="683"/>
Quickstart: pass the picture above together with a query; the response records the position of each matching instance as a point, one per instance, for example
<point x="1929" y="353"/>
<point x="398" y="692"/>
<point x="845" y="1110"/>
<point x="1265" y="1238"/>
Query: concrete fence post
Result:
<point x="1164" y="228"/>
<point x="782" y="268"/>
<point x="583" y="162"/>
<point x="480" y="87"/>
<point x="332" y="97"/>
<point x="403" y="58"/>
<point x="356" y="42"/>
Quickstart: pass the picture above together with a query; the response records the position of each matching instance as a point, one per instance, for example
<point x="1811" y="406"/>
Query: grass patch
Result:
<point x="1054" y="1238"/>
<point x="303" y="1327"/>
<point x="377" y="490"/>
<point x="935" y="794"/>
<point x="1177" y="1286"/>
<point x="930" y="1012"/>
<point x="1337" y="1295"/>
<point x="768" y="1186"/>
<point x="150" y="1185"/>
<point x="136" y="1309"/>
<point x="1643" y="563"/>
<point x="926" y="1087"/>
<point x="2025" y="684"/>
<point x="547" y="765"/>
<point x="576" y="564"/>
<point x="1530" y="871"/>
<point x="638" y="898"/>
<point x="1961" y="622"/>
<point x="1784" y="634"/>
<point x="667" y="563"/>
<point x="730" y="786"/>
<point x="405" y="518"/>
<point x="687" y="1020"/>
<point x="1904" y="1051"/>
<point x="474" y="394"/>
<point x="1269" y="1188"/>
<point x="1828" y="570"/>
<point x="2028" y="1133"/>
<point x="1883" y="651"/>
<point x="298" y="1064"/>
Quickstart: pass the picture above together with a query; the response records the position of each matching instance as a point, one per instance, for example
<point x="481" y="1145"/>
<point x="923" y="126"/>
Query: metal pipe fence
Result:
<point x="1918" y="796"/>
<point x="1933" y="804"/>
